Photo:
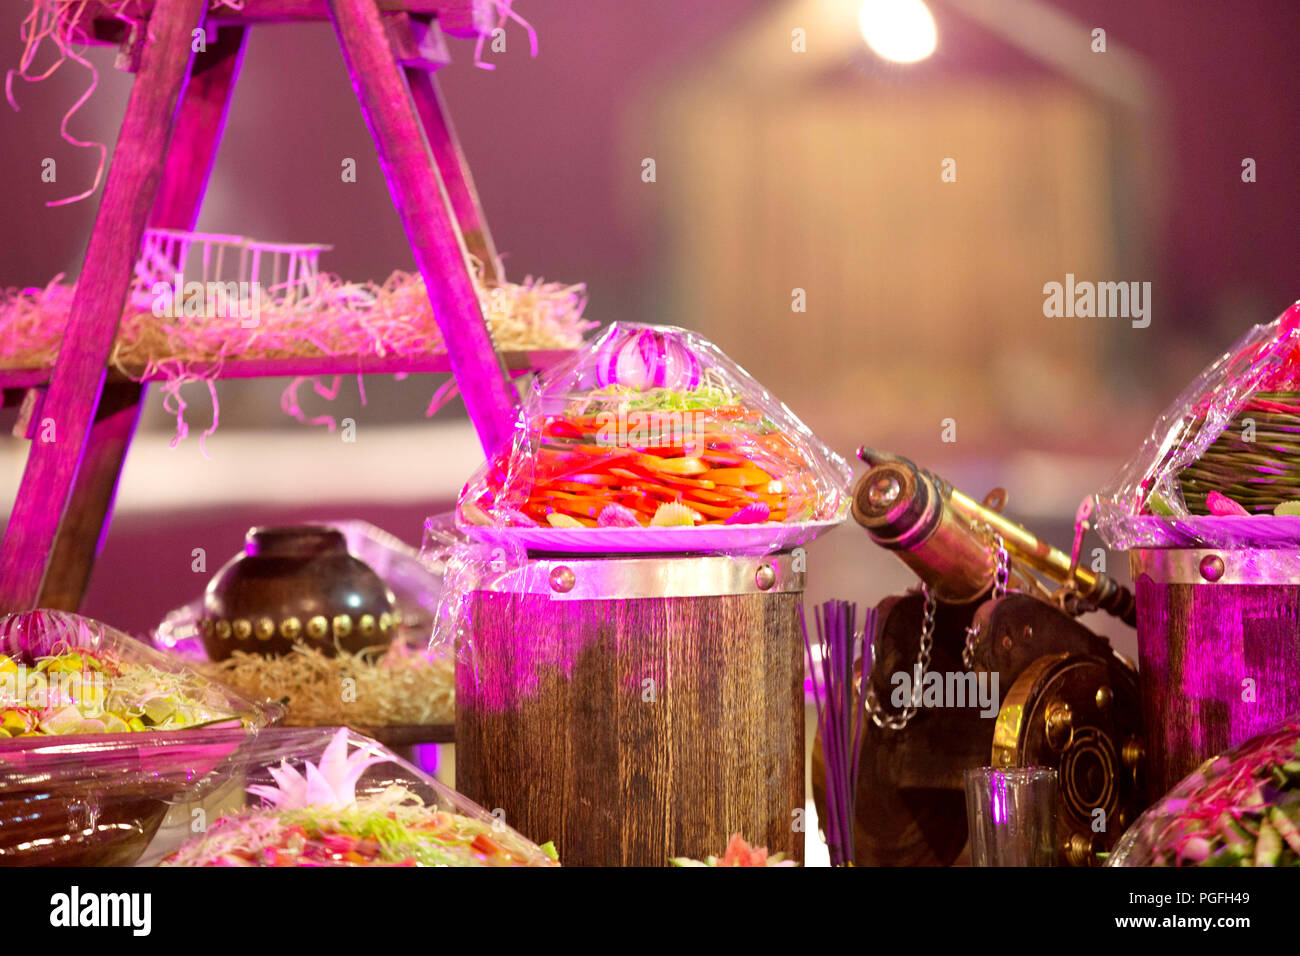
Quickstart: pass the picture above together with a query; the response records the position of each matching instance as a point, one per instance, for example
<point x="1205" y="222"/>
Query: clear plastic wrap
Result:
<point x="66" y="675"/>
<point x="648" y="440"/>
<point x="331" y="797"/>
<point x="100" y="733"/>
<point x="1238" y="809"/>
<point x="414" y="584"/>
<point x="1221" y="466"/>
<point x="99" y="801"/>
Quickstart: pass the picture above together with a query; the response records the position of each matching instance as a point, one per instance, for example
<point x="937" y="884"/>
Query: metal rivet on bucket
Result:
<point x="563" y="579"/>
<point x="765" y="577"/>
<point x="1211" y="567"/>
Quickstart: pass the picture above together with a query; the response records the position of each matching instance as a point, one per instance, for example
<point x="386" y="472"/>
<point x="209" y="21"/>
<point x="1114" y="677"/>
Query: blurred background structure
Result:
<point x="789" y="156"/>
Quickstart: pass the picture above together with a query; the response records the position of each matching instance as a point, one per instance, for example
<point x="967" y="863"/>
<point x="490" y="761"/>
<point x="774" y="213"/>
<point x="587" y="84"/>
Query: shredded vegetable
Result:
<point x="80" y="692"/>
<point x="662" y="458"/>
<point x="1241" y="809"/>
<point x="394" y="829"/>
<point x="314" y="817"/>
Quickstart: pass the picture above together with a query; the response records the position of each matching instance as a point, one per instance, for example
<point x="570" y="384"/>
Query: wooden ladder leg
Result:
<point x="422" y="204"/>
<point x="97" y="304"/>
<point x="196" y="136"/>
<point x="420" y="48"/>
<point x="443" y="142"/>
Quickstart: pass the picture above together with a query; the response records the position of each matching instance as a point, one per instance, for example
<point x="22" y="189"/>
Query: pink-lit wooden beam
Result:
<point x="200" y="120"/>
<point x="78" y="379"/>
<point x="425" y="211"/>
<point x="447" y="152"/>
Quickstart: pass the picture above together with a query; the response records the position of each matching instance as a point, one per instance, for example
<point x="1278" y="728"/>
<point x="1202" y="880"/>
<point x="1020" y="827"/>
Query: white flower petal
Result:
<point x="320" y="791"/>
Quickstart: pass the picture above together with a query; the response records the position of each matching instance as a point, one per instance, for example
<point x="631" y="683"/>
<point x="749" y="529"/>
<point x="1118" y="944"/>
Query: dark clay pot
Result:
<point x="296" y="584"/>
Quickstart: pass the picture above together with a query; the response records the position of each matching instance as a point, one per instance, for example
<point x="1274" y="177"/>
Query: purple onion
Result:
<point x="647" y="358"/>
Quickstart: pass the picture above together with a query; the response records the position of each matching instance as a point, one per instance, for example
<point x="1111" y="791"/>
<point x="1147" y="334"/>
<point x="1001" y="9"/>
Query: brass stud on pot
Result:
<point x="264" y="628"/>
<point x="765" y="577"/>
<point x="1105" y="696"/>
<point x="290" y="628"/>
<point x="206" y="625"/>
<point x="342" y="625"/>
<point x="366" y="625"/>
<point x="318" y="627"/>
<point x="243" y="630"/>
<point x="223" y="630"/>
<point x="385" y="623"/>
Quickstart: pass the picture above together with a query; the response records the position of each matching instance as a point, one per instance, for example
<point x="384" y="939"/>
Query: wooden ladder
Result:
<point x="159" y="172"/>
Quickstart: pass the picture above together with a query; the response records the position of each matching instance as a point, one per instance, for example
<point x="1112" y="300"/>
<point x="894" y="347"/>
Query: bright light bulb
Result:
<point x="899" y="30"/>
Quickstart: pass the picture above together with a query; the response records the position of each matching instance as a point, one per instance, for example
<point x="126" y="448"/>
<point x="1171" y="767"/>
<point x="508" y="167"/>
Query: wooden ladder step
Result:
<point x="101" y="24"/>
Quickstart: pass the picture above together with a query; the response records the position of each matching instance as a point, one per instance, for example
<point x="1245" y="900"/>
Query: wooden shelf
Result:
<point x="407" y="735"/>
<point x="435" y="363"/>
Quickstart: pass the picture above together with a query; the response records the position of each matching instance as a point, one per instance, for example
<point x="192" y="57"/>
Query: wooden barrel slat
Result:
<point x="1198" y="643"/>
<point x="551" y="725"/>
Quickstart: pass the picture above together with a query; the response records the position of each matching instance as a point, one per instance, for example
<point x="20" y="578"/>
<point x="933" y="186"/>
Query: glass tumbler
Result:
<point x="1011" y="812"/>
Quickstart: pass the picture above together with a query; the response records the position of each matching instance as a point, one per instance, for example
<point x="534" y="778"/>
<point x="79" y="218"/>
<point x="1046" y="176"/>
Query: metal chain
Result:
<point x="1001" y="578"/>
<point x="904" y="717"/>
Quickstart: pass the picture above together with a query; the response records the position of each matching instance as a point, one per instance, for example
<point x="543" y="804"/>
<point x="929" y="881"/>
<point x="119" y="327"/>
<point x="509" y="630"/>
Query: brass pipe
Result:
<point x="934" y="529"/>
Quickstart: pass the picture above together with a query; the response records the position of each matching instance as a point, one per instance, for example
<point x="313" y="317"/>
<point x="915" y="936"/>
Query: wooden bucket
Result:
<point x="1219" y="640"/>
<point x="637" y="709"/>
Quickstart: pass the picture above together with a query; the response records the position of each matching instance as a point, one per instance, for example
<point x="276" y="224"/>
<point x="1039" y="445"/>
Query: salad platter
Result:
<point x="69" y="676"/>
<point x="1238" y="809"/>
<point x="652" y="440"/>
<point x="338" y="799"/>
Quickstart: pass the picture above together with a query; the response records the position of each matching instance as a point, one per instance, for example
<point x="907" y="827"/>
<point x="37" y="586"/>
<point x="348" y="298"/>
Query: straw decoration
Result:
<point x="394" y="686"/>
<point x="343" y="319"/>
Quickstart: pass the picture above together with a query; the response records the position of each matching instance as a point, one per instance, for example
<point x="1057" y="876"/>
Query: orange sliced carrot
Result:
<point x="726" y="497"/>
<point x="580" y="484"/>
<point x="672" y="466"/>
<point x="747" y="476"/>
<point x="678" y="482"/>
<point x="724" y="458"/>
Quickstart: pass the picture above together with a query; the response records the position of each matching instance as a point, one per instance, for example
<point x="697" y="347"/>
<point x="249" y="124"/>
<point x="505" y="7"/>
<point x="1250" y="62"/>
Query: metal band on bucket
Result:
<point x="1216" y="566"/>
<point x="603" y="579"/>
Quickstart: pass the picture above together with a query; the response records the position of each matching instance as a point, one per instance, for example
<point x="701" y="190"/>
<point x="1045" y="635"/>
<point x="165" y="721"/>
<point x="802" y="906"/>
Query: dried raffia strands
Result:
<point x="55" y="22"/>
<point x="396" y="686"/>
<point x="346" y="319"/>
<point x="504" y="12"/>
<point x="342" y="319"/>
